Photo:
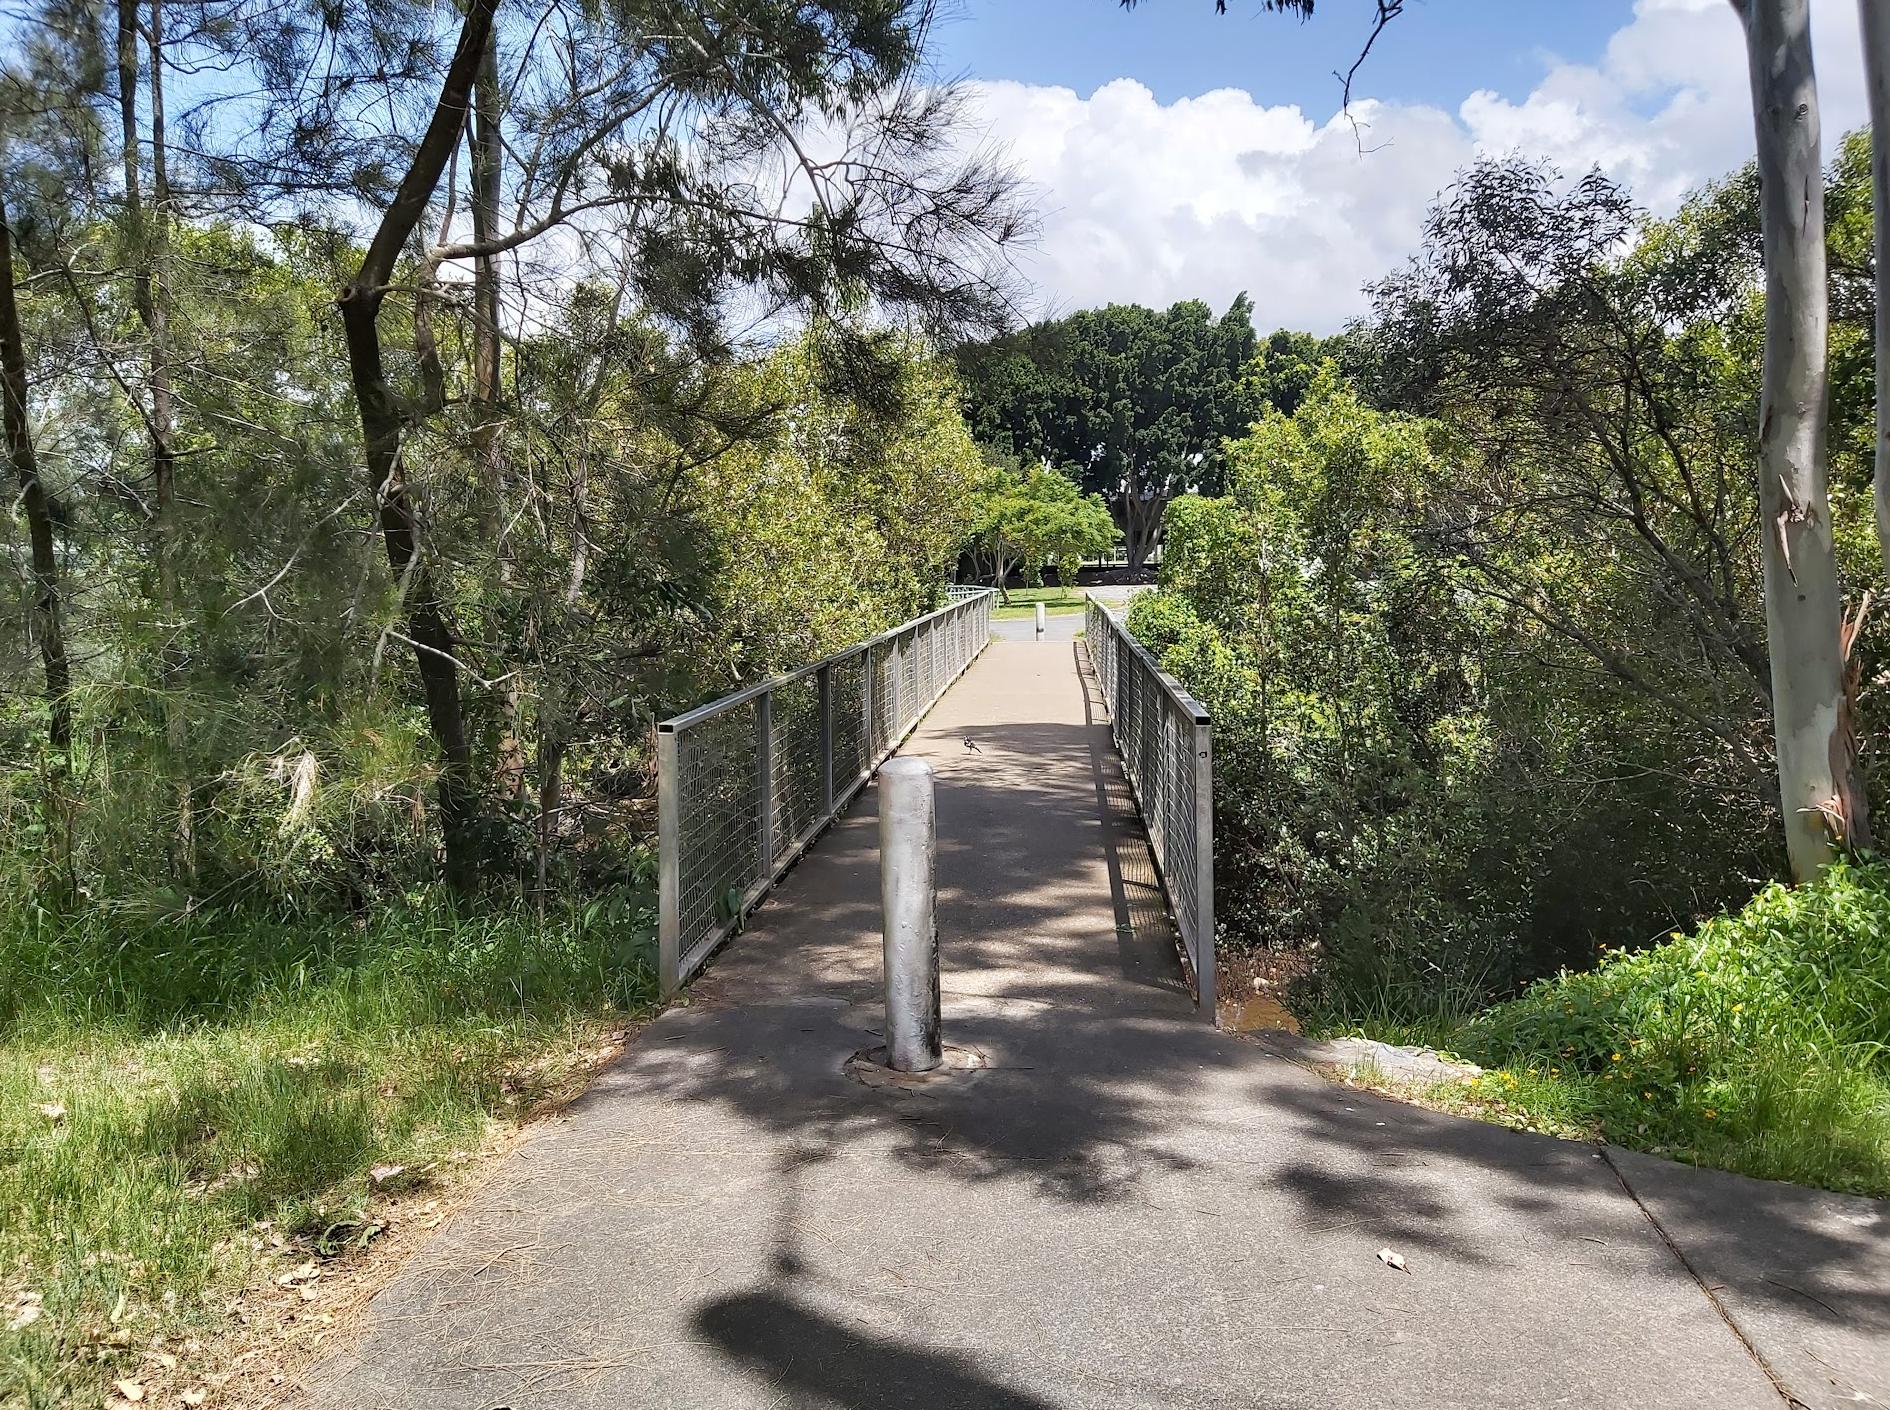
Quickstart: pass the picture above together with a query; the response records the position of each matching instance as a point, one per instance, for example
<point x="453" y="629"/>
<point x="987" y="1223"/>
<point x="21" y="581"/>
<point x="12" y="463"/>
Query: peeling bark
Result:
<point x="1819" y="791"/>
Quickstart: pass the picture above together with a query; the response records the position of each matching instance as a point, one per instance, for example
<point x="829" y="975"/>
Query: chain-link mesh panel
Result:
<point x="796" y="796"/>
<point x="744" y="784"/>
<point x="1164" y="738"/>
<point x="718" y="789"/>
<point x="851" y="757"/>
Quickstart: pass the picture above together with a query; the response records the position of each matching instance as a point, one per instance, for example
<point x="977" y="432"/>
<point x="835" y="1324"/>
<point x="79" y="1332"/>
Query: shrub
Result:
<point x="1760" y="1042"/>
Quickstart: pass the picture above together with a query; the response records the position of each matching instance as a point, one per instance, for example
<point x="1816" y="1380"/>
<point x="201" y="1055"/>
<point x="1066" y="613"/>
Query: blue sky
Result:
<point x="1438" y="52"/>
<point x="1176" y="154"/>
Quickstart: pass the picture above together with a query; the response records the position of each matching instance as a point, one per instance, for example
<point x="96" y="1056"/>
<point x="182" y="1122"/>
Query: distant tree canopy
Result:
<point x="1136" y="404"/>
<point x="1029" y="518"/>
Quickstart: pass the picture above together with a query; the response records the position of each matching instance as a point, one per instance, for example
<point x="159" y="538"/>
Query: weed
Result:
<point x="182" y="1096"/>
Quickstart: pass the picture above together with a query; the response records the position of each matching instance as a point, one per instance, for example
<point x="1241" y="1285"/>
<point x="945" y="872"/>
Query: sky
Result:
<point x="1178" y="154"/>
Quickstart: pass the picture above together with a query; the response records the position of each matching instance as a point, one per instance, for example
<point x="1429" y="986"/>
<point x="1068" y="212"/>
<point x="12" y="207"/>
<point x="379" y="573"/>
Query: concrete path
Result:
<point x="1058" y="627"/>
<point x="1123" y="1208"/>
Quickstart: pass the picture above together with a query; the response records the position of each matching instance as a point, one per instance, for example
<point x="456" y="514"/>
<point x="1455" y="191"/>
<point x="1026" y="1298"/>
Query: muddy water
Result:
<point x="1257" y="1012"/>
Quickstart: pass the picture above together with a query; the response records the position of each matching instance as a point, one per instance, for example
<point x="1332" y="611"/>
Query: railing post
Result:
<point x="669" y="865"/>
<point x="824" y="680"/>
<point x="869" y="744"/>
<point x="764" y="775"/>
<point x="1205" y="971"/>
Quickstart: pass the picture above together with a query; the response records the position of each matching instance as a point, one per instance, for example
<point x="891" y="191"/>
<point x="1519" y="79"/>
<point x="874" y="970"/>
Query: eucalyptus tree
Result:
<point x="1602" y="492"/>
<point x="1875" y="17"/>
<point x="1821" y="795"/>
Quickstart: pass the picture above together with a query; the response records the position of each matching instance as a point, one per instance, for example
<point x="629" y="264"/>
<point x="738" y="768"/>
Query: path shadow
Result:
<point x="814" y="1360"/>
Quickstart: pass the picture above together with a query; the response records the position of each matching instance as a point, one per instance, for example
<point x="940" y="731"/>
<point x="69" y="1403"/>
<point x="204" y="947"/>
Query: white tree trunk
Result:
<point x="1817" y="775"/>
<point x="1876" y="18"/>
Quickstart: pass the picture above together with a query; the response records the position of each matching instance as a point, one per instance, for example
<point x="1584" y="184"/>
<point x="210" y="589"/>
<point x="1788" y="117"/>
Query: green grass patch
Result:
<point x="1755" y="1044"/>
<point x="1057" y="602"/>
<point x="185" y="1099"/>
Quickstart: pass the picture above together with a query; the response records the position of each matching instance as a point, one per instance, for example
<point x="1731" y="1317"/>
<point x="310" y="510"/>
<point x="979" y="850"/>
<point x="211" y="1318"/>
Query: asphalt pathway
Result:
<point x="1120" y="1207"/>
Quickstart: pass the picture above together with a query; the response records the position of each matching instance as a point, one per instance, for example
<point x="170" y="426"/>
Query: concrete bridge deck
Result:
<point x="1122" y="1208"/>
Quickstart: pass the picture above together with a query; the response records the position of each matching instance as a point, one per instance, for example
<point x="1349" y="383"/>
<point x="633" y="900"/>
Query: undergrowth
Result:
<point x="1759" y="1043"/>
<point x="185" y="1097"/>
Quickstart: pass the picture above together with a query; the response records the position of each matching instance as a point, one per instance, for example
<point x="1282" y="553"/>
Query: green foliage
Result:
<point x="1135" y="402"/>
<point x="1031" y="519"/>
<point x="171" y="1085"/>
<point x="839" y="520"/>
<point x="1398" y="787"/>
<point x="1755" y="1043"/>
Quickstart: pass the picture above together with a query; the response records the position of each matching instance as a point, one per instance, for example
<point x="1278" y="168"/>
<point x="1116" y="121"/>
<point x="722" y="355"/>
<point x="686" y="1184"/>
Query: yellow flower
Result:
<point x="1617" y="1057"/>
<point x="1739" y="1008"/>
<point x="1647" y="1096"/>
<point x="1711" y="1115"/>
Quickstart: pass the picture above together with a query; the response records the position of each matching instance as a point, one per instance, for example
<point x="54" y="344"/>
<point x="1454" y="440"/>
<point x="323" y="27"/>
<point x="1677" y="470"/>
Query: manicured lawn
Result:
<point x="192" y="1107"/>
<point x="1057" y="602"/>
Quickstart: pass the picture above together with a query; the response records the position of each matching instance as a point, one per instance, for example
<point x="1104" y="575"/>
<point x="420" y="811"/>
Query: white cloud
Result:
<point x="1206" y="196"/>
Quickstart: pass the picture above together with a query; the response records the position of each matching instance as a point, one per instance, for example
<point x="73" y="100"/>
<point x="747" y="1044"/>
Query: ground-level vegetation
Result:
<point x="1056" y="601"/>
<point x="195" y="1104"/>
<point x="388" y="454"/>
<point x="1478" y="607"/>
<point x="1754" y="1042"/>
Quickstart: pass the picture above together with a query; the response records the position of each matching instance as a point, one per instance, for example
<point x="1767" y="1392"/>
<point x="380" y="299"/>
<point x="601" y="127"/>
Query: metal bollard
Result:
<point x="1040" y="620"/>
<point x="907" y="847"/>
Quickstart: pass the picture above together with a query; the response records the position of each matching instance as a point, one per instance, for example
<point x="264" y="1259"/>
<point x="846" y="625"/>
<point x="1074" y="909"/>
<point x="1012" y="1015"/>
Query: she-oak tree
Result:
<point x="662" y="132"/>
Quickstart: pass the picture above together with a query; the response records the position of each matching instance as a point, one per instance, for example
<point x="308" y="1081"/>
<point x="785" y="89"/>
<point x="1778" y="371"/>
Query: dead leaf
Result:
<point x="381" y="1176"/>
<point x="131" y="1390"/>
<point x="193" y="1396"/>
<point x="1392" y="1260"/>
<point x="54" y="1112"/>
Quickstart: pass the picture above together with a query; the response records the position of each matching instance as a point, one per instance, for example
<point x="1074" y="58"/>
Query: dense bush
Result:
<point x="1408" y="774"/>
<point x="1759" y="1042"/>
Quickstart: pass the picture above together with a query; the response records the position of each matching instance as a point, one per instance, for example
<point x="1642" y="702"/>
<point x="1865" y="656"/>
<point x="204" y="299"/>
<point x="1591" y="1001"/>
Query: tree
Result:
<point x="1875" y="15"/>
<point x="1136" y="402"/>
<point x="1032" y="518"/>
<point x="1821" y="797"/>
<point x="1822" y="801"/>
<point x="646" y="129"/>
<point x="48" y="615"/>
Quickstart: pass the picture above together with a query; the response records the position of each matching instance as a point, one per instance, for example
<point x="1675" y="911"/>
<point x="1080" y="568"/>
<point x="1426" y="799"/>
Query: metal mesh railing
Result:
<point x="745" y="784"/>
<point x="1167" y="746"/>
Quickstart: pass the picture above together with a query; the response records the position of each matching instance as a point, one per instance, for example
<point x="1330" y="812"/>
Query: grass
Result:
<point x="187" y="1102"/>
<point x="1057" y="602"/>
<point x="1757" y="1043"/>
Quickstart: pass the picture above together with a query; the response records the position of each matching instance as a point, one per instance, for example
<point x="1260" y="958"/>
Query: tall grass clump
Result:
<point x="1759" y="1043"/>
<point x="183" y="1096"/>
